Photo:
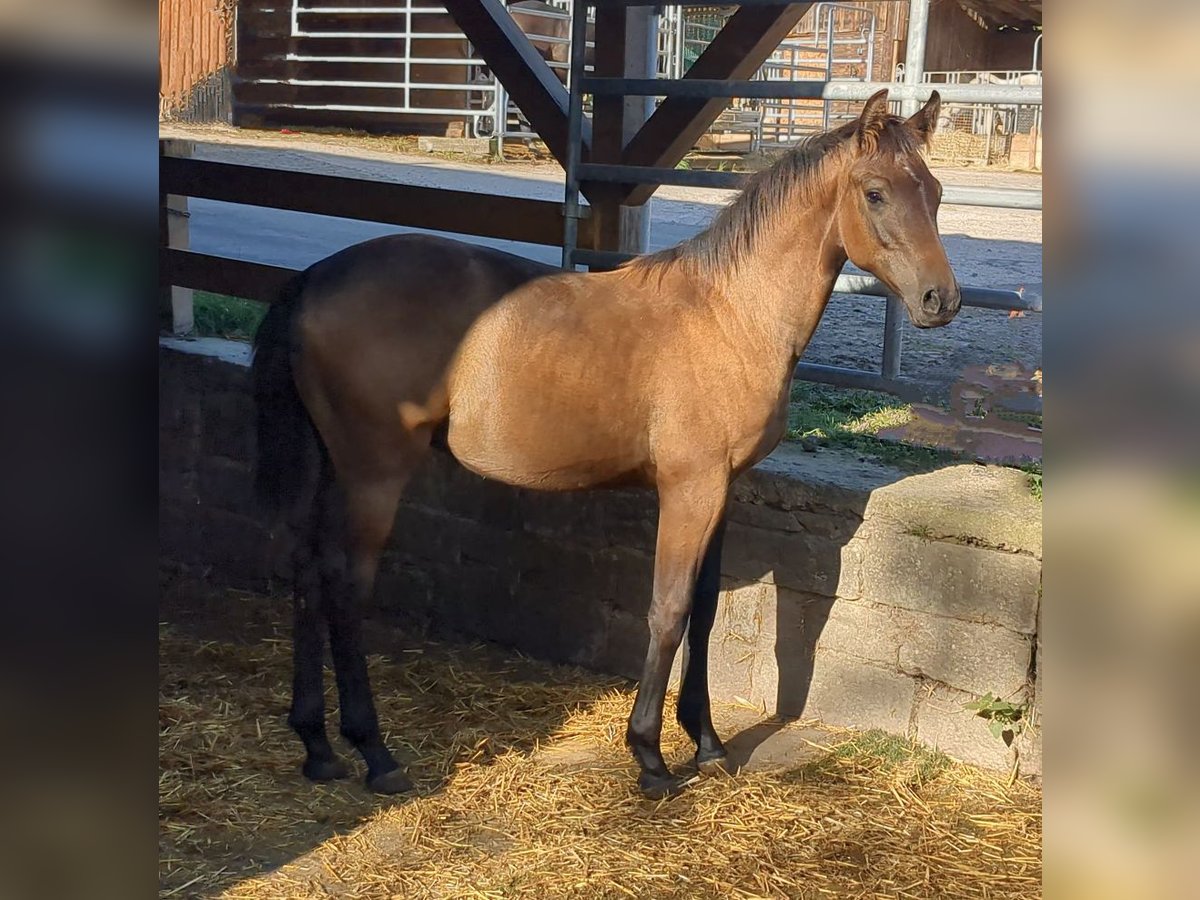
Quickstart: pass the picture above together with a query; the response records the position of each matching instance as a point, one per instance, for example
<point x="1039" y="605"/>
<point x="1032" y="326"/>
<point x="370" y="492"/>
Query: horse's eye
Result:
<point x="874" y="197"/>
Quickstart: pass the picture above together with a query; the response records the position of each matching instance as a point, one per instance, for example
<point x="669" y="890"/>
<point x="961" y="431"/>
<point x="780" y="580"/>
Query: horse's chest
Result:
<point x="758" y="425"/>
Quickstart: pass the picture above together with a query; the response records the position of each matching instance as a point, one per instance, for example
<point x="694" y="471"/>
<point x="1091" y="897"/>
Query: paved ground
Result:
<point x="988" y="247"/>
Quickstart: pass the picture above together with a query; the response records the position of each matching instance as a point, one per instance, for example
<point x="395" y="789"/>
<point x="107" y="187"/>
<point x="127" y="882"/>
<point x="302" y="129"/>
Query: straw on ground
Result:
<point x="524" y="792"/>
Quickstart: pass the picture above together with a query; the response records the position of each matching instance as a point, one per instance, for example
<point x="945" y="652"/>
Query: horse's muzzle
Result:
<point x="938" y="306"/>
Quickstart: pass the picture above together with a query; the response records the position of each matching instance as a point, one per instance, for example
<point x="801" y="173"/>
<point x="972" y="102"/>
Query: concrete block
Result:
<point x="990" y="505"/>
<point x="489" y="546"/>
<point x="965" y="655"/>
<point x="763" y="645"/>
<point x="797" y="560"/>
<point x="942" y="722"/>
<point x="963" y="582"/>
<point x="623" y="652"/>
<point x="624" y="577"/>
<point x="236" y="547"/>
<point x="865" y="631"/>
<point x="847" y="691"/>
<point x="551" y="624"/>
<point x="228" y="426"/>
<point x="179" y="532"/>
<point x="758" y="514"/>
<point x="421" y="533"/>
<point x="227" y="484"/>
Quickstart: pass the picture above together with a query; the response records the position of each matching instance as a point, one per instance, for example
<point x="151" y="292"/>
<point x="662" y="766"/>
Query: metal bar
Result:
<point x="979" y="298"/>
<point x="893" y="337"/>
<point x="851" y="283"/>
<point x="571" y="208"/>
<point x="911" y="390"/>
<point x="914" y="54"/>
<point x="722" y="89"/>
<point x="914" y="69"/>
<point x="1009" y="198"/>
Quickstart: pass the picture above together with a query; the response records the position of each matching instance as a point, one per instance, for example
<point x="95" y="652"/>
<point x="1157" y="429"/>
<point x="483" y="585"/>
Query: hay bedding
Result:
<point x="526" y="791"/>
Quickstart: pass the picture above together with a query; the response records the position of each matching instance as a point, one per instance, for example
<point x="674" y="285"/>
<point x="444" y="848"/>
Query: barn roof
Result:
<point x="1023" y="15"/>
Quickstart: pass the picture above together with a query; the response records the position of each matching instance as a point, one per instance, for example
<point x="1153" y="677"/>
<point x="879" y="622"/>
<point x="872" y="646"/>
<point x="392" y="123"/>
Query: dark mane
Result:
<point x="794" y="180"/>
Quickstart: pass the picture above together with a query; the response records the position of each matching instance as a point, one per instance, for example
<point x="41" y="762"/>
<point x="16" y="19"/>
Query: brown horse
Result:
<point x="672" y="371"/>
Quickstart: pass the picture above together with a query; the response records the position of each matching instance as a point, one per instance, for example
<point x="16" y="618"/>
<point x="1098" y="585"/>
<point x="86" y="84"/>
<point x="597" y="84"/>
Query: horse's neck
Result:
<point x="781" y="289"/>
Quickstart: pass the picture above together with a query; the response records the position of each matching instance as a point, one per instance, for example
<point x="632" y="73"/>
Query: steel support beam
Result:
<point x="738" y="50"/>
<point x="531" y="83"/>
<point x="954" y="195"/>
<point x="723" y="90"/>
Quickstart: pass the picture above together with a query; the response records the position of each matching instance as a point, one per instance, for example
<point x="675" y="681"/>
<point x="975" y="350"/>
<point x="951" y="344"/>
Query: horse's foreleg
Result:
<point x="694" y="711"/>
<point x="358" y="519"/>
<point x="689" y="514"/>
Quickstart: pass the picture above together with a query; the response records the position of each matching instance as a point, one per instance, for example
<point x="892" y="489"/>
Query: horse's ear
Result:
<point x="873" y="118"/>
<point x="924" y="121"/>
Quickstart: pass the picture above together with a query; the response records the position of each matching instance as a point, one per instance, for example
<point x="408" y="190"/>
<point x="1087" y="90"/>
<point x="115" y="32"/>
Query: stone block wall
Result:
<point x="852" y="593"/>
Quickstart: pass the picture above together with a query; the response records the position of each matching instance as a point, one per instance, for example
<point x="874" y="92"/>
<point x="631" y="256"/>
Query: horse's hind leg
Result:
<point x="358" y="516"/>
<point x="694" y="712"/>
<point x="307" y="717"/>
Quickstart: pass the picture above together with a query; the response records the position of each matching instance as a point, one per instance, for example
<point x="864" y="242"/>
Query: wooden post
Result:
<point x="641" y="61"/>
<point x="175" y="307"/>
<point x="626" y="46"/>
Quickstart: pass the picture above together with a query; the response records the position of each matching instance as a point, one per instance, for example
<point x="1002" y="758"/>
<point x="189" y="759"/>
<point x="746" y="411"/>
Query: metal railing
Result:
<point x="888" y="378"/>
<point x="983" y="132"/>
<point x="310" y="21"/>
<point x="840" y="47"/>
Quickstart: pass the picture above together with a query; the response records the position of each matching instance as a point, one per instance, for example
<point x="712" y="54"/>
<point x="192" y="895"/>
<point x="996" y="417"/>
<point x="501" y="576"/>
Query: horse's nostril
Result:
<point x="931" y="302"/>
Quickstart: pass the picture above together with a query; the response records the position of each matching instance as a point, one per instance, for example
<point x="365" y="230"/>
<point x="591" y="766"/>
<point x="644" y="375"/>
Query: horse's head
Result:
<point x="887" y="212"/>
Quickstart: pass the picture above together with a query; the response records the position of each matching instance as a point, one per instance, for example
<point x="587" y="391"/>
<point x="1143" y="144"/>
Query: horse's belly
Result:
<point x="544" y="456"/>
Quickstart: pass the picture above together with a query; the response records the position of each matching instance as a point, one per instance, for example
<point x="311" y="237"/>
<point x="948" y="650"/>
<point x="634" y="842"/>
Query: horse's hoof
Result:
<point x="392" y="782"/>
<point x="325" y="769"/>
<point x="659" y="787"/>
<point x="713" y="765"/>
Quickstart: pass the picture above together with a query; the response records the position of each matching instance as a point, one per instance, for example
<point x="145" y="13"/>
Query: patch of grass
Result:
<point x="837" y="417"/>
<point x="823" y="415"/>
<point x="219" y="315"/>
<point x="1033" y="471"/>
<point x="879" y="752"/>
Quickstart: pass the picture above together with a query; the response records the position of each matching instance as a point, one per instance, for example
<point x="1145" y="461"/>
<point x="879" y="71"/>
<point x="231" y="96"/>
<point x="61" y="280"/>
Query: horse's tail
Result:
<point x="288" y="445"/>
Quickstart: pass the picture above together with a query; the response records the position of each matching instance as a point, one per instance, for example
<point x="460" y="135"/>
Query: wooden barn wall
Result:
<point x="956" y="42"/>
<point x="264" y="41"/>
<point x="193" y="52"/>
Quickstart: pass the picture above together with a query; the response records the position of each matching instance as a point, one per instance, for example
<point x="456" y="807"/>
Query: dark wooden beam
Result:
<point x="221" y="275"/>
<point x="738" y="50"/>
<point x="531" y="83"/>
<point x="435" y="209"/>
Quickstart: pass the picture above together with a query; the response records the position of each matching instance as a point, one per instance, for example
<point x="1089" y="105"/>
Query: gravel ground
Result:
<point x="994" y="248"/>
